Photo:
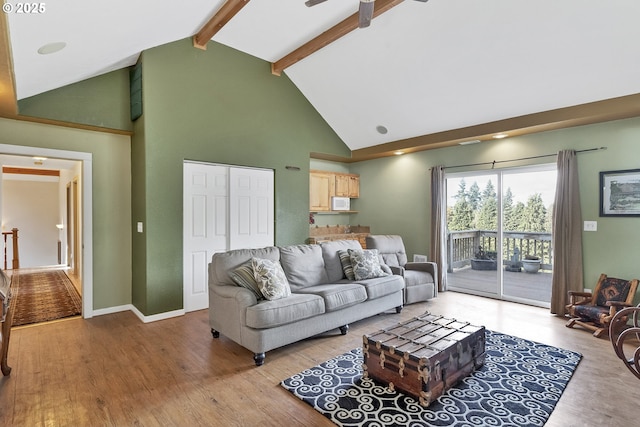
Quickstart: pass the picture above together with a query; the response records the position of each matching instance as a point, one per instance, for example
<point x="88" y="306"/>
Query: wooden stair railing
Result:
<point x="15" y="262"/>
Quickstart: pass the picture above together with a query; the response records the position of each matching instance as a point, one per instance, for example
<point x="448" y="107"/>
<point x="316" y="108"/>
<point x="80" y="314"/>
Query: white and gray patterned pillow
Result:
<point x="366" y="264"/>
<point x="271" y="279"/>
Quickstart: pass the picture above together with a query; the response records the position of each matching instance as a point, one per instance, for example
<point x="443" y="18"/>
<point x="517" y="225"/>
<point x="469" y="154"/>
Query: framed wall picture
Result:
<point x="620" y="193"/>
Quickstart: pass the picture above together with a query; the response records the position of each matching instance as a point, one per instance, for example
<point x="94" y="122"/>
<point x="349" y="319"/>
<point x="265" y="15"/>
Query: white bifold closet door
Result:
<point x="225" y="207"/>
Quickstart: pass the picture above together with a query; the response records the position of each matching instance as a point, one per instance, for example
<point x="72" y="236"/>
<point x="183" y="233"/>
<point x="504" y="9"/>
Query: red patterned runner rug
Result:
<point x="43" y="296"/>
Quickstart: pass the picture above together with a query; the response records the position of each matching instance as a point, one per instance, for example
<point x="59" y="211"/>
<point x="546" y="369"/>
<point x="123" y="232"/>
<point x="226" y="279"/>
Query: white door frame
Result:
<point x="87" y="212"/>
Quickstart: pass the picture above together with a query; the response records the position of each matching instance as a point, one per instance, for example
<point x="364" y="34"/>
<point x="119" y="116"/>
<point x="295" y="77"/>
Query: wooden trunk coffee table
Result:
<point x="424" y="356"/>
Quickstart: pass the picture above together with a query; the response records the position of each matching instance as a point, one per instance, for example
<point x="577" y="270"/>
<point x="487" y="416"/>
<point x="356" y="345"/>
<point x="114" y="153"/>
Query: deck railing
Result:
<point x="462" y="246"/>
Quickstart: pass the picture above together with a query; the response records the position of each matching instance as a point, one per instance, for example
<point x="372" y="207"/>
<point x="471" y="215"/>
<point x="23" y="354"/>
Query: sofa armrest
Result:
<point x="227" y="310"/>
<point x="238" y="296"/>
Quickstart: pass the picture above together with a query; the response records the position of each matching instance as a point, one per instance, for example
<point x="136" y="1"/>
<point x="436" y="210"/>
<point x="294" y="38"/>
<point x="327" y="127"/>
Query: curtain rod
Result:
<point x="493" y="163"/>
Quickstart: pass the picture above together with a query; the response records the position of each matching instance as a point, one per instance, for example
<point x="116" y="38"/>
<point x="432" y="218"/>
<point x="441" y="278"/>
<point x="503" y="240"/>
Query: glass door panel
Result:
<point x="527" y="204"/>
<point x="473" y="244"/>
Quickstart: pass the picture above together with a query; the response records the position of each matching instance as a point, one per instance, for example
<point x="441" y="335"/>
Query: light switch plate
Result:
<point x="140" y="227"/>
<point x="591" y="226"/>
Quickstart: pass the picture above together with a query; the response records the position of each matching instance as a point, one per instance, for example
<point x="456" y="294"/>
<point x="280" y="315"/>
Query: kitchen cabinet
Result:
<point x="321" y="189"/>
<point x="323" y="185"/>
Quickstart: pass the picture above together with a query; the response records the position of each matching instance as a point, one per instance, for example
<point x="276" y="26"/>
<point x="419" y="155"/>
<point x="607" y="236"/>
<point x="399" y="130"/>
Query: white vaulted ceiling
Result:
<point x="419" y="69"/>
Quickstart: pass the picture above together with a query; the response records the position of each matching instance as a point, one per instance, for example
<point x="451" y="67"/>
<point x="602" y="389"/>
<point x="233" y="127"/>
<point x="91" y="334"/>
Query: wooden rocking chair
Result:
<point x="595" y="311"/>
<point x="632" y="334"/>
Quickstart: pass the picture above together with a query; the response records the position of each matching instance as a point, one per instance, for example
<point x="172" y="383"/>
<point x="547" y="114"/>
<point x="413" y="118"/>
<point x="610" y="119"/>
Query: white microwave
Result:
<point x="340" y="203"/>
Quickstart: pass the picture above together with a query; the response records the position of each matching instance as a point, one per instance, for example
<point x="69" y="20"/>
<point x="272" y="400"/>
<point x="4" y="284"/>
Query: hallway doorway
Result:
<point x="75" y="168"/>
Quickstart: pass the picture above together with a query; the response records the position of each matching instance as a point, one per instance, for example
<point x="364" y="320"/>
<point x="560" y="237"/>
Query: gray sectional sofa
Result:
<point x="321" y="296"/>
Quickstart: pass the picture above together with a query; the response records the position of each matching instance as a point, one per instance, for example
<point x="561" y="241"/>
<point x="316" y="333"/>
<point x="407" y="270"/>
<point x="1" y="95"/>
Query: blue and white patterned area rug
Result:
<point x="519" y="385"/>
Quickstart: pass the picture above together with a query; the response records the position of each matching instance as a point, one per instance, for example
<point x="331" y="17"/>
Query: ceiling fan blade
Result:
<point x="365" y="13"/>
<point x="310" y="3"/>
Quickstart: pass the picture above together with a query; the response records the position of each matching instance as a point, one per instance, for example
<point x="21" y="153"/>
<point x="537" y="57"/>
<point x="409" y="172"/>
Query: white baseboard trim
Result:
<point x="111" y="310"/>
<point x="138" y="313"/>
<point x="156" y="317"/>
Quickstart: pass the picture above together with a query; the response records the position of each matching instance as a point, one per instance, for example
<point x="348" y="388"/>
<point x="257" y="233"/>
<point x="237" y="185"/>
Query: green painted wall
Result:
<point x="218" y="106"/>
<point x="100" y="101"/>
<point x="395" y="191"/>
<point x="111" y="166"/>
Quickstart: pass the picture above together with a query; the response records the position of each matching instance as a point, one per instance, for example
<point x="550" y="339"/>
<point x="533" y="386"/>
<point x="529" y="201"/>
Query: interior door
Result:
<point x="224" y="208"/>
<point x="251" y="208"/>
<point x="205" y="227"/>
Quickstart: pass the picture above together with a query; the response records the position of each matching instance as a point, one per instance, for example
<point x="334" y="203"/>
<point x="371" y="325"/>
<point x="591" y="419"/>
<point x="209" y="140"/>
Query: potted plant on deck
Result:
<point x="531" y="263"/>
<point x="484" y="260"/>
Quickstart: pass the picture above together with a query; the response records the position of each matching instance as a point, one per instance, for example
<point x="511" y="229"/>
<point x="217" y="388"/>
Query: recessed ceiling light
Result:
<point x="475" y="141"/>
<point x="500" y="136"/>
<point x="398" y="153"/>
<point x="51" y="48"/>
<point x="381" y="129"/>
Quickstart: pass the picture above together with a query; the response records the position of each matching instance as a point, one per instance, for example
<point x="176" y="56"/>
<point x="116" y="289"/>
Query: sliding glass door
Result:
<point x="499" y="233"/>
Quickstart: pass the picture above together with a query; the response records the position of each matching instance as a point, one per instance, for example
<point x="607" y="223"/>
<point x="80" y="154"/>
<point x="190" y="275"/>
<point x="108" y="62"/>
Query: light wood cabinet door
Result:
<point x="342" y="185"/>
<point x="354" y="186"/>
<point x="320" y="191"/>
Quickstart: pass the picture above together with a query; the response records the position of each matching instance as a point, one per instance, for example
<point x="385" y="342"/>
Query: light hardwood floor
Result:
<point x="113" y="370"/>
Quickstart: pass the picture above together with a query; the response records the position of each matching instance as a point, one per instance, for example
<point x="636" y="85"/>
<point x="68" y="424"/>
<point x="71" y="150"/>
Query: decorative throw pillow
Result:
<point x="366" y="264"/>
<point x="347" y="267"/>
<point x="271" y="279"/>
<point x="243" y="276"/>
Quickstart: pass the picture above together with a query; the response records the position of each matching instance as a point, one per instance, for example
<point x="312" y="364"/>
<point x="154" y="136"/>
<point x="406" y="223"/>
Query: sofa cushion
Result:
<point x="338" y="296"/>
<point x="366" y="264"/>
<point x="225" y="262"/>
<point x="303" y="265"/>
<point x="270" y="278"/>
<point x="268" y="314"/>
<point x="243" y="276"/>
<point x="380" y="286"/>
<point x="332" y="261"/>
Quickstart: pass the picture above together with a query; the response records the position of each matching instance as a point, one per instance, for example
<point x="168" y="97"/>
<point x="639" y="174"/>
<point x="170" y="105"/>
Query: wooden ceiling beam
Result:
<point x="219" y="20"/>
<point x="334" y="33"/>
<point x="8" y="99"/>
<point x="578" y="115"/>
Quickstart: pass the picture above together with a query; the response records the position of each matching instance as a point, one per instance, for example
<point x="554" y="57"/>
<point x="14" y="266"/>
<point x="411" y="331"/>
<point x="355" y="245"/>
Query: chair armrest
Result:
<point x="580" y="294"/>
<point x="617" y="304"/>
<point x="429" y="267"/>
<point x="398" y="271"/>
<point x="579" y="298"/>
